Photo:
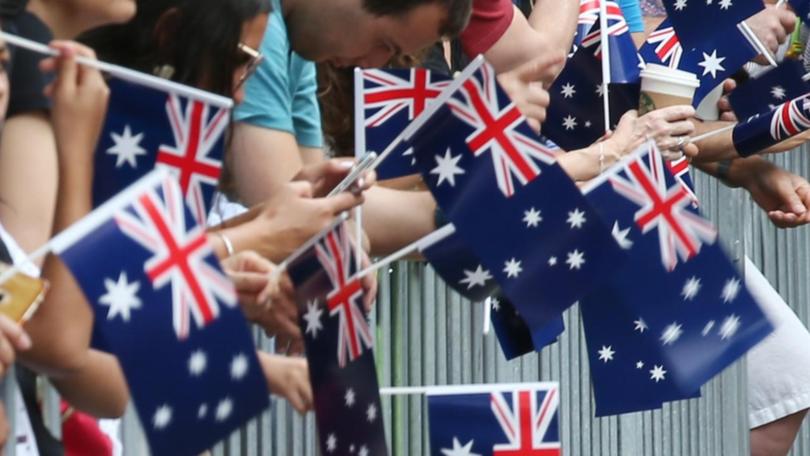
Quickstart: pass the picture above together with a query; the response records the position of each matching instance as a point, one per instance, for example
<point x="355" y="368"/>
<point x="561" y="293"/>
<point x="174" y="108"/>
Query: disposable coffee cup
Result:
<point x="662" y="86"/>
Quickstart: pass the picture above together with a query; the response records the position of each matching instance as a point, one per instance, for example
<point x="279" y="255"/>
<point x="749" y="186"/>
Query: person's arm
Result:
<point x="97" y="388"/>
<point x="556" y="20"/>
<point x="393" y="219"/>
<point x="28" y="177"/>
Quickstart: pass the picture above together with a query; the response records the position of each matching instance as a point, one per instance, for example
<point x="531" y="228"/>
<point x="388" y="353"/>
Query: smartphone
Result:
<point x="21" y="295"/>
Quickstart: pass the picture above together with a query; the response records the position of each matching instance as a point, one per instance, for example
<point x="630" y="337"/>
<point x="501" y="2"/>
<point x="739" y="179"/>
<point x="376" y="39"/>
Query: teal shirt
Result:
<point x="282" y="94"/>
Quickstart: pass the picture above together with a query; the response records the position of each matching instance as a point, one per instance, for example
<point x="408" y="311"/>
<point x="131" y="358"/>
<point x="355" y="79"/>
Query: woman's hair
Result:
<point x="198" y="38"/>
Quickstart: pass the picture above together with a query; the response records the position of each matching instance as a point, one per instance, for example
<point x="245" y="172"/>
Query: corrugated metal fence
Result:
<point x="428" y="335"/>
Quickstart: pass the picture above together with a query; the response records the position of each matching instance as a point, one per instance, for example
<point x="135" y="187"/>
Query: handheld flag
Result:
<point x="765" y="130"/>
<point x="768" y="90"/>
<point x="495" y="420"/>
<point x="339" y="343"/>
<point x="695" y="21"/>
<point x="147" y="129"/>
<point x="169" y="314"/>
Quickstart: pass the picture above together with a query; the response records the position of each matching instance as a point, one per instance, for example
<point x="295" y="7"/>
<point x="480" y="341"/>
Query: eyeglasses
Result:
<point x="253" y="59"/>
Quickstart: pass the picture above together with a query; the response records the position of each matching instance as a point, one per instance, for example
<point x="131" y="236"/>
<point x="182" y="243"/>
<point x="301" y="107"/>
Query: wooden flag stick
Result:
<point x="126" y="74"/>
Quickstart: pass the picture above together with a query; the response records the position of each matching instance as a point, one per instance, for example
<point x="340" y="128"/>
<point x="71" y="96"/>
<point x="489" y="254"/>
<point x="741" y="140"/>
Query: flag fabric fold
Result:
<point x="765" y="130"/>
<point x="770" y="89"/>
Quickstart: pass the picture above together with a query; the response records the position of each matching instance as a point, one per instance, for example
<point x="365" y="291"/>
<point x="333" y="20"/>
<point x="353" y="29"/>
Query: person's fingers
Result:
<point x="542" y="69"/>
<point x="48" y="65"/>
<point x="15" y="333"/>
<point x="675" y="113"/>
<point x="6" y="352"/>
<point x="297" y="402"/>
<point x="690" y="150"/>
<point x="791" y="201"/>
<point x="306" y="392"/>
<point x="296" y="348"/>
<point x="301" y="189"/>
<point x="342" y="202"/>
<point x="68" y="69"/>
<point x="681" y="128"/>
<point x="251" y="261"/>
<point x="249" y="282"/>
<point x="729" y="85"/>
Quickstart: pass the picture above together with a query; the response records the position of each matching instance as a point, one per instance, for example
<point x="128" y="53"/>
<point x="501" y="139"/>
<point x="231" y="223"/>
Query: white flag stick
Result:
<point x="757" y="43"/>
<point x="487" y="315"/>
<point x="603" y="33"/>
<point x="359" y="150"/>
<point x="421" y="244"/>
<point x="126" y="74"/>
<point x="709" y="134"/>
<point x="307" y="245"/>
<point x="91" y="221"/>
<point x="406" y="390"/>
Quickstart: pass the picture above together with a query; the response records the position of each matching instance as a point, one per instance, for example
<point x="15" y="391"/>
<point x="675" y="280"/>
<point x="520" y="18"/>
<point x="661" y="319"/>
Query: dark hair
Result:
<point x="201" y="39"/>
<point x="458" y="11"/>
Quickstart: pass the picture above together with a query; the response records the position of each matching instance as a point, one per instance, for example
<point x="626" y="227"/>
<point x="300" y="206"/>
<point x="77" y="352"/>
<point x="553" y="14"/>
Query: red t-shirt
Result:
<point x="489" y="21"/>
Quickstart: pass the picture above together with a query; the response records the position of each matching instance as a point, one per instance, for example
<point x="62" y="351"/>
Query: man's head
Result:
<point x="368" y="33"/>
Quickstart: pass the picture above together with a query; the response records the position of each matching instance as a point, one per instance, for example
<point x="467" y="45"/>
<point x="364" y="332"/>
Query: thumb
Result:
<point x="302" y="189"/>
<point x="791" y="200"/>
<point x="543" y="69"/>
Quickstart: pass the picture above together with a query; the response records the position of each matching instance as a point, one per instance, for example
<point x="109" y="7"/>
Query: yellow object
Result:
<point x="21" y="295"/>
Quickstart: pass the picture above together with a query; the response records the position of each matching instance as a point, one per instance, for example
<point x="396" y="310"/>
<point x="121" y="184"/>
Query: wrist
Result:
<point x="743" y="172"/>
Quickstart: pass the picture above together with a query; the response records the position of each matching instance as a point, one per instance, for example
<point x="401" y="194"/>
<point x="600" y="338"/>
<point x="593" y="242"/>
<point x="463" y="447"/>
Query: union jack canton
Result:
<point x="765" y="130"/>
<point x="495" y="420"/>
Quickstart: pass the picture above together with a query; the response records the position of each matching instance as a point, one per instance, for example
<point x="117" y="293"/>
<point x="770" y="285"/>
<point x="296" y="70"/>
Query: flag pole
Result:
<point x="423" y="243"/>
<point x="307" y="245"/>
<point x="126" y="74"/>
<point x="359" y="151"/>
<point x="709" y="134"/>
<point x="487" y="315"/>
<point x="603" y="36"/>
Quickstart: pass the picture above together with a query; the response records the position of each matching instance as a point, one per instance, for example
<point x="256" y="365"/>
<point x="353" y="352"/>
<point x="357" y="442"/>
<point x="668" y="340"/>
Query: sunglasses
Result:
<point x="252" y="58"/>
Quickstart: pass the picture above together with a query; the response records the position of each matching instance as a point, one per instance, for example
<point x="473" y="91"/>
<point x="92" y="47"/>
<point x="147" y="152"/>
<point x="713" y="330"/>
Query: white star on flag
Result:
<point x="348" y="398"/>
<point x="680" y="5"/>
<point x="729" y="327"/>
<point x="532" y="218"/>
<point x="575" y="260"/>
<point x="576" y="218"/>
<point x="712" y="64"/>
<point x="121" y="297"/>
<point x="162" y="417"/>
<point x="202" y="411"/>
<point x="621" y="236"/>
<point x="600" y="90"/>
<point x="512" y="268"/>
<point x="477" y="278"/>
<point x="725" y="4"/>
<point x="707" y="328"/>
<point x="640" y="325"/>
<point x="447" y="168"/>
<point x="197" y="362"/>
<point x="730" y="290"/>
<point x="313" y="318"/>
<point x="569" y="122"/>
<point x="239" y="366"/>
<point x="459" y="450"/>
<point x="224" y="409"/>
<point x="495" y="303"/>
<point x="671" y="334"/>
<point x="657" y="373"/>
<point x="640" y="365"/>
<point x="371" y="413"/>
<point x="568" y="90"/>
<point x="690" y="288"/>
<point x="778" y="92"/>
<point x="127" y="148"/>
<point x="363" y="451"/>
<point x="552" y="261"/>
<point x="606" y="353"/>
<point x="331" y="443"/>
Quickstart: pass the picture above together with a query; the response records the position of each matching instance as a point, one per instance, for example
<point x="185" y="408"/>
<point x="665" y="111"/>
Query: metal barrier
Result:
<point x="427" y="335"/>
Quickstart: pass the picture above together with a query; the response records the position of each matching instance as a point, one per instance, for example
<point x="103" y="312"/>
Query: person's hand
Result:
<point x="13" y="338"/>
<point x="723" y="105"/>
<point x="80" y="98"/>
<point x="527" y="86"/>
<point x="326" y="175"/>
<point x="772" y="26"/>
<point x="784" y="196"/>
<point x="289" y="378"/>
<point x="4" y="428"/>
<point x="266" y="299"/>
<point x="287" y="220"/>
<point x="668" y="127"/>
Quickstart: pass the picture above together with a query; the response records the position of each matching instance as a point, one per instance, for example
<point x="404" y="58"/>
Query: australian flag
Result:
<point x="713" y="60"/>
<point x="169" y="314"/>
<point x="765" y="130"/>
<point x="628" y="372"/>
<point x="147" y="129"/>
<point x="387" y="100"/>
<point x="494" y="182"/>
<point x="575" y="118"/>
<point x="495" y="420"/>
<point x="678" y="280"/>
<point x="589" y="11"/>
<point x="770" y="89"/>
<point x="339" y="343"/>
<point x="697" y="20"/>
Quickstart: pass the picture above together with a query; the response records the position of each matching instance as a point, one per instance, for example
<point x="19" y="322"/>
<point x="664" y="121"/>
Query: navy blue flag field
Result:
<point x="386" y="101"/>
<point x="697" y="20"/>
<point x="575" y="118"/>
<point x="765" y="130"/>
<point x="510" y="202"/>
<point x="147" y="129"/>
<point x="495" y="420"/>
<point x="339" y="344"/>
<point x="714" y="59"/>
<point x="768" y="90"/>
<point x="624" y="60"/>
<point x="514" y="335"/>
<point x="169" y="314"/>
<point x="589" y="11"/>
<point x="628" y="371"/>
<point x="678" y="280"/>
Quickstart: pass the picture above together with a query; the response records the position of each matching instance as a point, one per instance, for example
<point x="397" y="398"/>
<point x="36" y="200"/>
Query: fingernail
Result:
<point x="799" y="209"/>
<point x="346" y="164"/>
<point x="25" y="341"/>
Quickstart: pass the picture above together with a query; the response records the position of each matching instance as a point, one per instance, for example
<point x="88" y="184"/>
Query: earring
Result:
<point x="164" y="71"/>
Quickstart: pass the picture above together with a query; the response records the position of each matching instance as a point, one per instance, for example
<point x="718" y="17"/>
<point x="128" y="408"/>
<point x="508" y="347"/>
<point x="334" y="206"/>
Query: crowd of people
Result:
<point x="287" y="65"/>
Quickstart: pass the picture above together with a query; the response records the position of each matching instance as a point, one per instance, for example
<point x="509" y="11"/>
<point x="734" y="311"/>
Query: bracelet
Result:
<point x="723" y="167"/>
<point x="228" y="244"/>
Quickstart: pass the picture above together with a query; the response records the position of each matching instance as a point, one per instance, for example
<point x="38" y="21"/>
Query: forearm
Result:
<point x="519" y="44"/>
<point x="393" y="219"/>
<point x="717" y="147"/>
<point x="735" y="172"/>
<point x="97" y="388"/>
<point x="557" y="21"/>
